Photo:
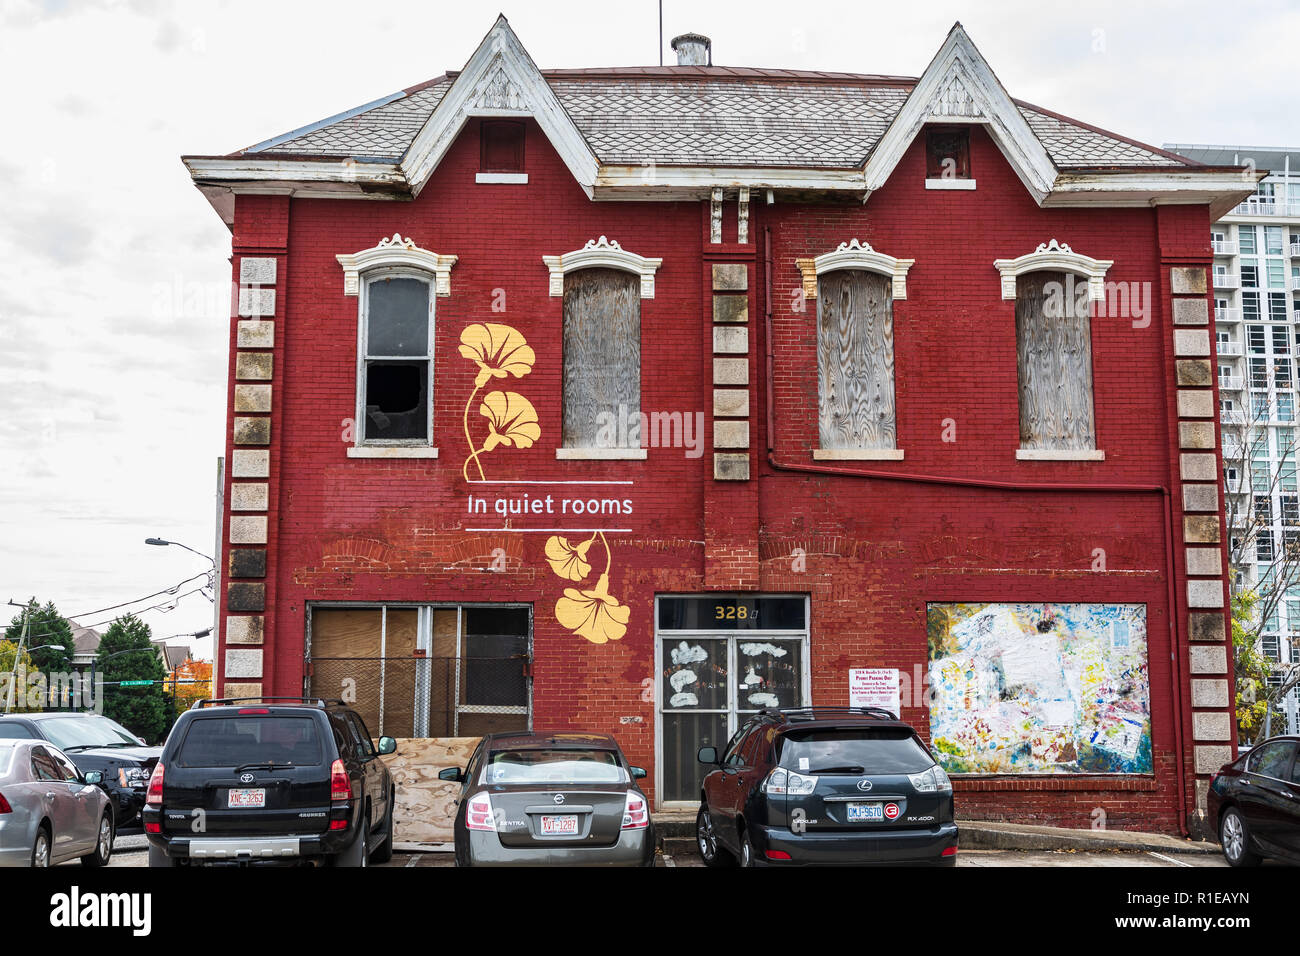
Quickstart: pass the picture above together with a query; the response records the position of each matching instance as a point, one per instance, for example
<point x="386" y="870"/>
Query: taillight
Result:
<point x="478" y="813"/>
<point x="153" y="828"/>
<point x="154" y="797"/>
<point x="340" y="785"/>
<point x="951" y="851"/>
<point x="782" y="781"/>
<point x="253" y="710"/>
<point x="4" y="805"/>
<point x="636" y="816"/>
<point x="776" y="854"/>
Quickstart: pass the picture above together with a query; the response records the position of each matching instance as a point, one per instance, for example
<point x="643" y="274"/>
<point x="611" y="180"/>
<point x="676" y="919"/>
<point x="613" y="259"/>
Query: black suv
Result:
<point x="267" y="780"/>
<point x="825" y="785"/>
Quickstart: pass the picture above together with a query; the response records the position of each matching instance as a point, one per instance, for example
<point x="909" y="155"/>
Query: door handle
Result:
<point x="49" y="794"/>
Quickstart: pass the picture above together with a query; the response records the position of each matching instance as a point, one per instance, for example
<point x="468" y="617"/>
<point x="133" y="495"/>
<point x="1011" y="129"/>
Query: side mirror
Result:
<point x="387" y="745"/>
<point x="452" y="774"/>
<point x="637" y="772"/>
<point x="94" y="778"/>
<point x="708" y="755"/>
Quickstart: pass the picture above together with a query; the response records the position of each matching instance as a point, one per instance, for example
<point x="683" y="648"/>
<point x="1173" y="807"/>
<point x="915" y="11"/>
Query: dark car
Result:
<point x="271" y="780"/>
<point x="825" y="785"/>
<point x="1255" y="803"/>
<point x="551" y="799"/>
<point x="99" y="744"/>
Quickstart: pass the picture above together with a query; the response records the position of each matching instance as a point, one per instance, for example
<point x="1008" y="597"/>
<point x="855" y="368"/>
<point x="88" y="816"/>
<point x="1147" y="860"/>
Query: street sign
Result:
<point x="135" y="683"/>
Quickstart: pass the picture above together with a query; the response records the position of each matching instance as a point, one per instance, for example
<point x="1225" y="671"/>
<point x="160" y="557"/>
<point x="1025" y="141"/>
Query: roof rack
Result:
<point x="813" y="713"/>
<point x="218" y="701"/>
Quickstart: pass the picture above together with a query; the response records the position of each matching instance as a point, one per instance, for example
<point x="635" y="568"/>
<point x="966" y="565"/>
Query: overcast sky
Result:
<point x="114" y="279"/>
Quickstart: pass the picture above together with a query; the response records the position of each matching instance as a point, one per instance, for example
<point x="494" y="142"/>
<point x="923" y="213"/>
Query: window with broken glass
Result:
<point x="395" y="375"/>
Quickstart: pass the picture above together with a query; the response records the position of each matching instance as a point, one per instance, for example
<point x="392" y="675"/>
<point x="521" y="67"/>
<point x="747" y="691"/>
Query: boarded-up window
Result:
<point x="397" y="360"/>
<point x="602" y="356"/>
<point x="855" y="360"/>
<point x="1054" y="348"/>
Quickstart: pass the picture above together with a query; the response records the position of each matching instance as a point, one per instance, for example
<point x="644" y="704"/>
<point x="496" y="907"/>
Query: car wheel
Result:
<point x="157" y="858"/>
<point x="384" y="852"/>
<point x="103" y="842"/>
<point x="41" y="848"/>
<point x="746" y="849"/>
<point x="358" y="853"/>
<point x="706" y="840"/>
<point x="1235" y="837"/>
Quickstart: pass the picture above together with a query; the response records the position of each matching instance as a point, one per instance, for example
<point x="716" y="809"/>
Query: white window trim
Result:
<point x="520" y="179"/>
<point x="396" y="253"/>
<point x="404" y="447"/>
<point x="950" y="184"/>
<point x="857" y="454"/>
<point x="1055" y="256"/>
<point x="600" y="454"/>
<point x="855" y="255"/>
<point x="602" y="253"/>
<point x="1060" y="454"/>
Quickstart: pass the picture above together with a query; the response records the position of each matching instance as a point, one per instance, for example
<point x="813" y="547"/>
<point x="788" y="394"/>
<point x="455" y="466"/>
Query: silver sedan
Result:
<point x="50" y="813"/>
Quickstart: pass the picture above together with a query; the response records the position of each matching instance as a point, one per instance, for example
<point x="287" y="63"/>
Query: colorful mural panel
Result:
<point x="1039" y="688"/>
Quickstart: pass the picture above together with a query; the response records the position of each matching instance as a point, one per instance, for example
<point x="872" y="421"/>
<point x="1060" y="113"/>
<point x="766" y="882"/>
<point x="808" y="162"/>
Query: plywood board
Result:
<point x="426" y="806"/>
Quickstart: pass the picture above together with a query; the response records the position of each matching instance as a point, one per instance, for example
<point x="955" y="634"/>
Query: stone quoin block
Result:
<point x="250" y="463"/>
<point x="247" y="563"/>
<point x="1208" y="659"/>
<point x="731" y="308"/>
<point x="1211" y="757"/>
<point x="1194" y="372"/>
<point x="242" y="662"/>
<point x="257" y="270"/>
<point x="241" y="690"/>
<point x="1209" y="693"/>
<point x="1202" y="793"/>
<point x="252" y="398"/>
<point x="1211" y="726"/>
<point x="1204" y="561"/>
<point x="1200" y="497"/>
<point x="1195" y="403"/>
<point x="732" y="340"/>
<point x="1196" y="434"/>
<point x="255" y="334"/>
<point x="1205" y="593"/>
<point x="730" y="277"/>
<point x="1197" y="467"/>
<point x="245" y="629"/>
<point x="253" y="365"/>
<point x="1187" y="280"/>
<point x="248" y="529"/>
<point x="249" y="496"/>
<point x="1191" y="312"/>
<point x="246" y="596"/>
<point x="728" y="371"/>
<point x="1191" y="342"/>
<point x="257" y="302"/>
<point x="730" y="434"/>
<point x="730" y="467"/>
<point x="252" y="431"/>
<point x="1201" y="529"/>
<point x="1205" y="627"/>
<point x="731" y="402"/>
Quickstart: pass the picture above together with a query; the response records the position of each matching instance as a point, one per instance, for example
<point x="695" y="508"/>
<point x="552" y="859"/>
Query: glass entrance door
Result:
<point x="709" y="686"/>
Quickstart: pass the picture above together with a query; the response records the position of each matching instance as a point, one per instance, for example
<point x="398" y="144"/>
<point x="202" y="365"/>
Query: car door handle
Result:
<point x="49" y="794"/>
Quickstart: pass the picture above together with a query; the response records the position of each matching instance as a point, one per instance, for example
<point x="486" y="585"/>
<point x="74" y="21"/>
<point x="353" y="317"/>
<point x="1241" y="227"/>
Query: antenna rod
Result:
<point x="661" y="32"/>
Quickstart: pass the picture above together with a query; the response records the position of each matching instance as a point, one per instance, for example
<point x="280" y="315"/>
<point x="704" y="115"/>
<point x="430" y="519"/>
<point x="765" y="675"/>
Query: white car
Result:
<point x="50" y="812"/>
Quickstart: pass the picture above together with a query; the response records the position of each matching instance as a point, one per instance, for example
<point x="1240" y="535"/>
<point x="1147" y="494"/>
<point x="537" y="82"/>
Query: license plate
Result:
<point x="560" y="826"/>
<point x="246" y="799"/>
<point x="861" y="812"/>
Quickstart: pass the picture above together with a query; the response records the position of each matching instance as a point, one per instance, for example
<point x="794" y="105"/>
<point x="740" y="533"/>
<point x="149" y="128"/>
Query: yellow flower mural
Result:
<point x="569" y="561"/>
<point x="593" y="614"/>
<point x="499" y="351"/>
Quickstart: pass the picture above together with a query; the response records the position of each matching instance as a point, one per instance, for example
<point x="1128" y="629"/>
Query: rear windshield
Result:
<point x="854" y="751"/>
<point x="235" y="741"/>
<point x="12" y="729"/>
<point x="554" y="766"/>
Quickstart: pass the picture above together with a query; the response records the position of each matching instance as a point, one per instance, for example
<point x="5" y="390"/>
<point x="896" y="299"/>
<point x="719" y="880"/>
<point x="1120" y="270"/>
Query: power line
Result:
<point x="113" y="607"/>
<point x="175" y="598"/>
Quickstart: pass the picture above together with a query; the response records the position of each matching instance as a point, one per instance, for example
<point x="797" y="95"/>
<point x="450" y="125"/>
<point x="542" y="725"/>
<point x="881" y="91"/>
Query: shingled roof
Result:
<point x="712" y="116"/>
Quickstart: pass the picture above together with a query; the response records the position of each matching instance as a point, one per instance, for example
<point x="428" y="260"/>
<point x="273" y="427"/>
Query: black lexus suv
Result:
<point x="270" y="780"/>
<point x="821" y="785"/>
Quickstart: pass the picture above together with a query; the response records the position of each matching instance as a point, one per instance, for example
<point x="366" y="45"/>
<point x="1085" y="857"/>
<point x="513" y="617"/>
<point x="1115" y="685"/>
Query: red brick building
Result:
<point x="636" y="399"/>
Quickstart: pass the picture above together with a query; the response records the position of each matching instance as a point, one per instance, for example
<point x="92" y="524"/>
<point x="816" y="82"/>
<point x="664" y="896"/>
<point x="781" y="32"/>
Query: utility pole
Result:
<point x="12" y="690"/>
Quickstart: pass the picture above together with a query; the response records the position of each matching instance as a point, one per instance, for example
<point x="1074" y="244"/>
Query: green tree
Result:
<point x="47" y="630"/>
<point x="8" y="679"/>
<point x="1250" y="667"/>
<point x="127" y="653"/>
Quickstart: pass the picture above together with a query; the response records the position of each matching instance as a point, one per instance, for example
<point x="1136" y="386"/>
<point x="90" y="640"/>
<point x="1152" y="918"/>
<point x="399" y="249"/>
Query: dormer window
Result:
<point x="947" y="158"/>
<point x="501" y="152"/>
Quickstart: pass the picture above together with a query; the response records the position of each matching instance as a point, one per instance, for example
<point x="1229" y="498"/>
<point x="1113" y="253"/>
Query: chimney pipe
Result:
<point x="693" y="50"/>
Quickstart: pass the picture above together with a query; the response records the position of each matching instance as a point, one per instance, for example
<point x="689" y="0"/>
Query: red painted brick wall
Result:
<point x="877" y="550"/>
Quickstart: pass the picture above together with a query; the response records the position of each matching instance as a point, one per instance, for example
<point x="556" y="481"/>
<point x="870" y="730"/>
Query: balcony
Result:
<point x="1231" y="383"/>
<point x="1236" y="486"/>
<point x="1295" y="248"/>
<point x="1266" y="208"/>
<point x="1226" y="247"/>
<point x="1295" y="283"/>
<point x="1227" y="280"/>
<point x="1229" y="348"/>
<point x="1227" y="315"/>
